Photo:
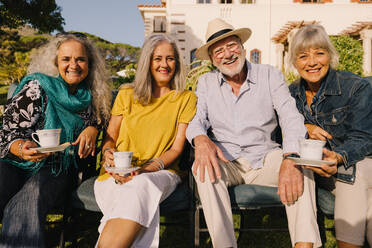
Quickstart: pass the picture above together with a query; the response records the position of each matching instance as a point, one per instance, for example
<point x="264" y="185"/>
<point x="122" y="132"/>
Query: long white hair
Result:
<point x="44" y="60"/>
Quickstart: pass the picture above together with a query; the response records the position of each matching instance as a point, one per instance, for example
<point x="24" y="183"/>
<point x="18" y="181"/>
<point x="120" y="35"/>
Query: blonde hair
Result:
<point x="312" y="36"/>
<point x="142" y="86"/>
<point x="44" y="60"/>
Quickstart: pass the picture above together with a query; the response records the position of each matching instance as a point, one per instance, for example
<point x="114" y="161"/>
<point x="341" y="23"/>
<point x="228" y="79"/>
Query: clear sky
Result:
<point x="112" y="20"/>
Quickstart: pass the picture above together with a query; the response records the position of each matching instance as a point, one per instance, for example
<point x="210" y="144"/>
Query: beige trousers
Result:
<point x="353" y="206"/>
<point x="215" y="200"/>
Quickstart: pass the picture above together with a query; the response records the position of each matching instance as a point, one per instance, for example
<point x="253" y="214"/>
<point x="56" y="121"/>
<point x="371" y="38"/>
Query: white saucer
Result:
<point x="120" y="171"/>
<point x="310" y="162"/>
<point x="51" y="149"/>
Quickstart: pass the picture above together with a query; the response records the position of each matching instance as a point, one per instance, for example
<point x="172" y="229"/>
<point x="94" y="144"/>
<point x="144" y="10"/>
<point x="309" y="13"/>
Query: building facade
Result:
<point x="273" y="23"/>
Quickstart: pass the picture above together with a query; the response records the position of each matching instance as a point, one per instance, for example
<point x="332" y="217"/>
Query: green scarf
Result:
<point x="61" y="112"/>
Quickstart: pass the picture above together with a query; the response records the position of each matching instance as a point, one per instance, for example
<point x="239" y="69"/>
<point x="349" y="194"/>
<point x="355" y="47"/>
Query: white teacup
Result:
<point x="123" y="159"/>
<point x="311" y="149"/>
<point x="47" y="137"/>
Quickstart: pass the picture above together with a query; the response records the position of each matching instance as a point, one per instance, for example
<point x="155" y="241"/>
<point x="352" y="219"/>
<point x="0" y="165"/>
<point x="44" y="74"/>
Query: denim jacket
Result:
<point x="344" y="110"/>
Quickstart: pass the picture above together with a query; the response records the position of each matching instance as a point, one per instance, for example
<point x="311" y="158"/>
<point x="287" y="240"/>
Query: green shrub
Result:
<point x="290" y="77"/>
<point x="117" y="81"/>
<point x="351" y="54"/>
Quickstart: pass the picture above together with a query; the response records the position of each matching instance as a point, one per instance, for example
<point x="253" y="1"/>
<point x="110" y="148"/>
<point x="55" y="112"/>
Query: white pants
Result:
<point x="353" y="206"/>
<point x="301" y="215"/>
<point x="137" y="200"/>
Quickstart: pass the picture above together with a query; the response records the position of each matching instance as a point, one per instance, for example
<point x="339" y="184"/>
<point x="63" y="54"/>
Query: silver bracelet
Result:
<point x="158" y="163"/>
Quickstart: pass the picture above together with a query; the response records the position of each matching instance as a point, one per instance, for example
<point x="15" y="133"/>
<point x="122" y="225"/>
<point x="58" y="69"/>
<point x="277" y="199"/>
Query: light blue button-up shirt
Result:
<point x="242" y="126"/>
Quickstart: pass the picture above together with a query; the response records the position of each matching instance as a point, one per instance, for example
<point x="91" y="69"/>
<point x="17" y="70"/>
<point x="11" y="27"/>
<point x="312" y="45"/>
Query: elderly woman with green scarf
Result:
<point x="66" y="89"/>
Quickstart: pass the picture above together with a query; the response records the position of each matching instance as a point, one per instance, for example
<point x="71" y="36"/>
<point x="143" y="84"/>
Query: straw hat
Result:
<point x="217" y="30"/>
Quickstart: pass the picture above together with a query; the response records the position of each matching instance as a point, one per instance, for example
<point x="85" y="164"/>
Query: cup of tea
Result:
<point x="123" y="159"/>
<point x="311" y="149"/>
<point x="47" y="137"/>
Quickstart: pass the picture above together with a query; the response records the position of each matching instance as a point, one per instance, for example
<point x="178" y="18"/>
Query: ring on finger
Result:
<point x="88" y="146"/>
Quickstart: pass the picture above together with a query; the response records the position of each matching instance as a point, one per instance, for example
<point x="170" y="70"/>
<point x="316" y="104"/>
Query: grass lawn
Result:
<point x="177" y="236"/>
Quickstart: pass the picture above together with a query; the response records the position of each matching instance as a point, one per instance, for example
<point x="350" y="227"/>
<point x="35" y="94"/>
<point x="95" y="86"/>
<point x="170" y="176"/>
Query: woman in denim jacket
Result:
<point x="337" y="107"/>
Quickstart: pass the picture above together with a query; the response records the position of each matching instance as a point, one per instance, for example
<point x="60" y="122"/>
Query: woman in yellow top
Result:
<point x="149" y="118"/>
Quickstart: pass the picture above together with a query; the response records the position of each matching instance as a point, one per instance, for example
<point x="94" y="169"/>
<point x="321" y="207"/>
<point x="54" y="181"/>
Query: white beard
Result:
<point x="234" y="71"/>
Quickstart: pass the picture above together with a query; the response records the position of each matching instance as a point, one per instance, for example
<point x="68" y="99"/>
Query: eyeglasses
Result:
<point x="219" y="52"/>
<point x="76" y="34"/>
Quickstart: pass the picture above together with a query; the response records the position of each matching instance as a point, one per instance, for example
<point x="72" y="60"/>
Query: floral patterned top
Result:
<point x="24" y="114"/>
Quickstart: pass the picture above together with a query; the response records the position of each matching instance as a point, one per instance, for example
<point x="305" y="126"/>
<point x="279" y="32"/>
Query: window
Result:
<point x="247" y="1"/>
<point x="159" y="24"/>
<point x="203" y="1"/>
<point x="225" y="1"/>
<point x="255" y="56"/>
<point x="193" y="58"/>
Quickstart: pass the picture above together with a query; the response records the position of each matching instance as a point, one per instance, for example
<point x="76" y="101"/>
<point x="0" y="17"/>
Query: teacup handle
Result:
<point x="32" y="135"/>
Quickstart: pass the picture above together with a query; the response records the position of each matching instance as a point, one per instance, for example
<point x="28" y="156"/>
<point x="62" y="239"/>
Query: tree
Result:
<point x="351" y="54"/>
<point x="16" y="47"/>
<point x="44" y="15"/>
<point x="14" y="54"/>
<point x="117" y="55"/>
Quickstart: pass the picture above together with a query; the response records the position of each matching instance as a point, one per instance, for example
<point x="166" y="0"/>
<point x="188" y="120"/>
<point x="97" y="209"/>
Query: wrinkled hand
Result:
<point x="32" y="155"/>
<point x="206" y="154"/>
<point x="87" y="142"/>
<point x="291" y="184"/>
<point x="317" y="133"/>
<point x="327" y="170"/>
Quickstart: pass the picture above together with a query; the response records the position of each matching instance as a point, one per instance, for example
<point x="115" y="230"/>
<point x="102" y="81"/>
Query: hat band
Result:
<point x="219" y="33"/>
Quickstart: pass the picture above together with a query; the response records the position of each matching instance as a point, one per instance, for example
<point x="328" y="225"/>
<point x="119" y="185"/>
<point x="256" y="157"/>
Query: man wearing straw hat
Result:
<point x="239" y="107"/>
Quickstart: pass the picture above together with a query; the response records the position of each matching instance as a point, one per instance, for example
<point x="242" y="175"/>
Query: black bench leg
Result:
<point x="321" y="225"/>
<point x="197" y="228"/>
<point x="242" y="226"/>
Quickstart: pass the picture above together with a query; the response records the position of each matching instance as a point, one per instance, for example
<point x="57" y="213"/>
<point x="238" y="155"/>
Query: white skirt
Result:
<point x="137" y="200"/>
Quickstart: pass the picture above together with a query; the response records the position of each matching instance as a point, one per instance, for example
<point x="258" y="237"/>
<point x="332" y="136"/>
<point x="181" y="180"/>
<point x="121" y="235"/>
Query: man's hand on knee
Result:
<point x="291" y="182"/>
<point x="206" y="157"/>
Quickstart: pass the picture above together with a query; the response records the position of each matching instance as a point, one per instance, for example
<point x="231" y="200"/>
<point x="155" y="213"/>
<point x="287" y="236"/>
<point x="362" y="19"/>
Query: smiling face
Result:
<point x="228" y="56"/>
<point x="163" y="64"/>
<point x="313" y="64"/>
<point x="72" y="62"/>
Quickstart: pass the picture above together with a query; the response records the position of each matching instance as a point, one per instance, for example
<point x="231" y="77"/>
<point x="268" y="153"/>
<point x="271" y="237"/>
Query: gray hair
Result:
<point x="312" y="36"/>
<point x="44" y="60"/>
<point x="142" y="86"/>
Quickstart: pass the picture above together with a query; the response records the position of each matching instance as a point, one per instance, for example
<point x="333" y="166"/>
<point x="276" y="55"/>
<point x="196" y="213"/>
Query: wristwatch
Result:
<point x="293" y="155"/>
